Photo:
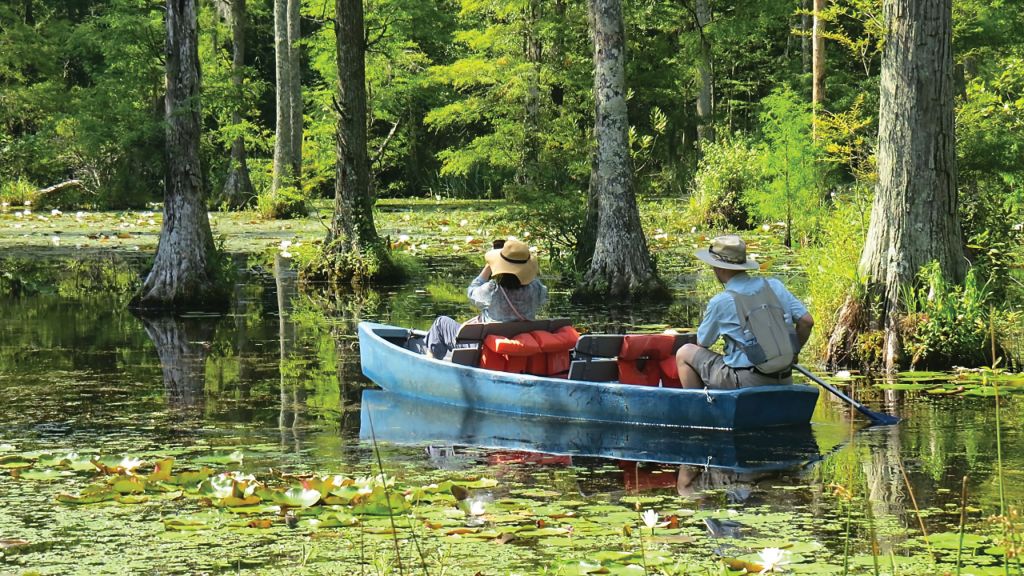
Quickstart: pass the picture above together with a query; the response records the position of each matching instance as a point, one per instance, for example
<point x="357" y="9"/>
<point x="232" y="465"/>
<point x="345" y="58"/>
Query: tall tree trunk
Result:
<point x="705" y="102"/>
<point x="806" y="26"/>
<point x="238" y="190"/>
<point x="184" y="273"/>
<point x="914" y="218"/>
<point x="287" y="163"/>
<point x="558" y="54"/>
<point x="353" y="249"/>
<point x="818" y="63"/>
<point x="621" y="266"/>
<point x="295" y="86"/>
<point x="531" y="127"/>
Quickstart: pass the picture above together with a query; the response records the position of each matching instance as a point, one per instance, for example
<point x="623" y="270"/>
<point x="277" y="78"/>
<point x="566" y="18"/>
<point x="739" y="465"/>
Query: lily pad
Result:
<point x="297" y="497"/>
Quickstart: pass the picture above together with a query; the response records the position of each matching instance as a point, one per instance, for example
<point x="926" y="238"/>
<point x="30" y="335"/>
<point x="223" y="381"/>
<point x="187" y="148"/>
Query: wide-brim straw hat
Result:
<point x="728" y="252"/>
<point x="514" y="258"/>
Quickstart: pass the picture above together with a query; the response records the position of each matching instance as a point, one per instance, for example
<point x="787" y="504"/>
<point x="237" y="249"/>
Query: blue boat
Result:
<point x="394" y="368"/>
<point x="388" y="417"/>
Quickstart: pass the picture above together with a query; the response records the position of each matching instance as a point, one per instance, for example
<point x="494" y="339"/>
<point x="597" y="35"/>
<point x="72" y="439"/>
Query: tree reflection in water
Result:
<point x="183" y="344"/>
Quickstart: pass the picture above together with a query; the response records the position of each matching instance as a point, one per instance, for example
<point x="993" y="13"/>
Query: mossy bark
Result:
<point x="914" y="219"/>
<point x="186" y="272"/>
<point x="620" y="265"/>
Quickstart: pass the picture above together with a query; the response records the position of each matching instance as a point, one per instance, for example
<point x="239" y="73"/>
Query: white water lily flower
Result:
<point x="129" y="464"/>
<point x="772" y="559"/>
<point x="650" y="518"/>
<point x="55" y="240"/>
<point x="17" y="214"/>
<point x="476" y="508"/>
<point x="55" y="212"/>
<point x="28" y="202"/>
<point x="463" y="222"/>
<point x="843" y="374"/>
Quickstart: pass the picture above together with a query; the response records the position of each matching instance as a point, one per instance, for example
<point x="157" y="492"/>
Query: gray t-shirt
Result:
<point x="499" y="305"/>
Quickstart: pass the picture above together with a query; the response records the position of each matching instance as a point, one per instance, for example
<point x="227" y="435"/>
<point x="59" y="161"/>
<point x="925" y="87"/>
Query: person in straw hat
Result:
<point x="507" y="289"/>
<point x="699" y="367"/>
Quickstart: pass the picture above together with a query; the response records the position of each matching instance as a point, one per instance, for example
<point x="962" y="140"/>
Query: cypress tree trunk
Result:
<point x="914" y="217"/>
<point x="238" y="190"/>
<point x="558" y="54"/>
<point x="287" y="159"/>
<point x="353" y="250"/>
<point x="806" y="26"/>
<point x="621" y="266"/>
<point x="705" y="101"/>
<point x="184" y="271"/>
<point x="295" y="87"/>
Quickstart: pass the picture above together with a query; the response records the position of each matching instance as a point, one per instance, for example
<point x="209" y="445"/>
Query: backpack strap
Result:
<point x="745" y="303"/>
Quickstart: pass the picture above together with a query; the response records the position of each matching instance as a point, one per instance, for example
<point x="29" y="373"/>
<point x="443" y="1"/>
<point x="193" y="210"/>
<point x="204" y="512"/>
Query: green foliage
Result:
<point x="788" y="158"/>
<point x="555" y="222"/>
<point x="727" y="174"/>
<point x="946" y="325"/>
<point x="286" y="202"/>
<point x="19" y="192"/>
<point x="340" y="264"/>
<point x="830" y="262"/>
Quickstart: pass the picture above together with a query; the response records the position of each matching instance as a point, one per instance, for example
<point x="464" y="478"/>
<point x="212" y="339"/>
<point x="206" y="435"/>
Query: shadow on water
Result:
<point x="278" y="379"/>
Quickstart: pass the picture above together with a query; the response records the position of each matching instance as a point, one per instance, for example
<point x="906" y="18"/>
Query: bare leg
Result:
<point x="688" y="377"/>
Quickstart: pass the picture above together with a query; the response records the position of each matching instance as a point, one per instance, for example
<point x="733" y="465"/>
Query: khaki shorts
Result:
<point x="716" y="374"/>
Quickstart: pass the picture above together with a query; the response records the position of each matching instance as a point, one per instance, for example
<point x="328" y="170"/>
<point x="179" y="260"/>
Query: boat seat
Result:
<point x="595" y="356"/>
<point x="470" y="338"/>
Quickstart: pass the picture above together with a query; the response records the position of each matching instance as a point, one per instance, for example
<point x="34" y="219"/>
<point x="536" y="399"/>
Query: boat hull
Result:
<point x="389" y="417"/>
<point x="402" y="371"/>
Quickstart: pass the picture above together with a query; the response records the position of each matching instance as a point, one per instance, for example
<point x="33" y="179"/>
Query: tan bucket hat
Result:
<point x="729" y="252"/>
<point x="514" y="258"/>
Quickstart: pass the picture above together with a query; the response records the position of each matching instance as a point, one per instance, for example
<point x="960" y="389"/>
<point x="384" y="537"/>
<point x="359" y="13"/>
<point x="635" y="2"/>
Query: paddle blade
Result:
<point x="877" y="418"/>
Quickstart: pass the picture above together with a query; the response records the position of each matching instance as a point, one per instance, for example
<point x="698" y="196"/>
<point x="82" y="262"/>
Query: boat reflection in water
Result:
<point x="650" y="457"/>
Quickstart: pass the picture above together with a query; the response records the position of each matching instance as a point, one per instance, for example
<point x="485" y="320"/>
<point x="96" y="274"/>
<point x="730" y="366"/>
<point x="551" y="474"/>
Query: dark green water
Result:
<point x="278" y="380"/>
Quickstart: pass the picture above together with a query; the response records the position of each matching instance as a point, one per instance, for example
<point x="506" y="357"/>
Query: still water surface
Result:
<point x="278" y="380"/>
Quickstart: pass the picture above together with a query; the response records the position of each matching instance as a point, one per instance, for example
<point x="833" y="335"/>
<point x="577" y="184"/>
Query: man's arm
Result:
<point x="803" y="328"/>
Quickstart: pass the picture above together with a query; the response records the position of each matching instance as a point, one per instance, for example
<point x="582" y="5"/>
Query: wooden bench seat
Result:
<point x="474" y="334"/>
<point x="594" y="357"/>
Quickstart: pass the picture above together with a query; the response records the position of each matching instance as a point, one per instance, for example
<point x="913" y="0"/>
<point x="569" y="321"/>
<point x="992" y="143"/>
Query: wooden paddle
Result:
<point x="875" y="417"/>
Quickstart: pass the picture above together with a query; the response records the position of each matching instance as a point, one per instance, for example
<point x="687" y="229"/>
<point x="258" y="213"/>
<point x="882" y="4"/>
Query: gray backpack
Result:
<point x="769" y="337"/>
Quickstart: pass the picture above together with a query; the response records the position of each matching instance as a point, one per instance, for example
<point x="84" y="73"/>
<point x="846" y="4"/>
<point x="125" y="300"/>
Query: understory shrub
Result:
<point x="556" y="223"/>
<point x="831" y="262"/>
<point x="946" y="325"/>
<point x="16" y="192"/>
<point x="728" y="169"/>
<point x="286" y="202"/>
